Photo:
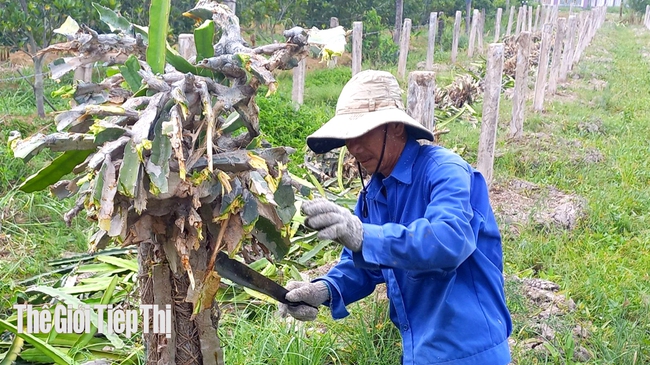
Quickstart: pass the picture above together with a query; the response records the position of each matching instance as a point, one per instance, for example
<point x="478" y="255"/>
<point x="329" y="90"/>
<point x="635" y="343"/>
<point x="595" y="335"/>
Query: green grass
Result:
<point x="32" y="230"/>
<point x="256" y="335"/>
<point x="602" y="265"/>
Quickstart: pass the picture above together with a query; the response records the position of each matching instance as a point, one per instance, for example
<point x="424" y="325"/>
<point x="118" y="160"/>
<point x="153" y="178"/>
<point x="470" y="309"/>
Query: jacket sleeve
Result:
<point x="348" y="283"/>
<point x="442" y="239"/>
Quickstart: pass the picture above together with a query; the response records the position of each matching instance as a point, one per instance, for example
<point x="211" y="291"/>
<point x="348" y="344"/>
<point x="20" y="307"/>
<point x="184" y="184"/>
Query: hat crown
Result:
<point x="369" y="91"/>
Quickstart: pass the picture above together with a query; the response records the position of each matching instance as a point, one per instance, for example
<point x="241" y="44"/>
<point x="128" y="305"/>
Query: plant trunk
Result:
<point x="399" y="13"/>
<point x="38" y="85"/>
<point x="163" y="281"/>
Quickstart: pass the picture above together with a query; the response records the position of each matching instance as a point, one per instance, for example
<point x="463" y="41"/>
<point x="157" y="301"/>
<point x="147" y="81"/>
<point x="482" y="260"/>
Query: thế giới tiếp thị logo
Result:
<point x="107" y="320"/>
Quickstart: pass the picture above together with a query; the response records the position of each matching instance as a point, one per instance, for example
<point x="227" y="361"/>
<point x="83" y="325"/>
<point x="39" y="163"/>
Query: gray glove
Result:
<point x="334" y="223"/>
<point x="311" y="293"/>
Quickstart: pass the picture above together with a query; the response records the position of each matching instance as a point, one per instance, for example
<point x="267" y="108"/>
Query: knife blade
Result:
<point x="243" y="275"/>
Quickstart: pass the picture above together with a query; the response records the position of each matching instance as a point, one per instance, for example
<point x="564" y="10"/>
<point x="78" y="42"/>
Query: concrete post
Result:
<point x="357" y="37"/>
<point x="186" y="47"/>
<point x="405" y="37"/>
<point x="509" y="28"/>
<point x="421" y="97"/>
<point x="473" y="33"/>
<point x="540" y="84"/>
<point x="521" y="86"/>
<point x="431" y="47"/>
<point x="497" y="25"/>
<point x="556" y="59"/>
<point x="490" y="115"/>
<point x="454" y="43"/>
<point x="567" y="55"/>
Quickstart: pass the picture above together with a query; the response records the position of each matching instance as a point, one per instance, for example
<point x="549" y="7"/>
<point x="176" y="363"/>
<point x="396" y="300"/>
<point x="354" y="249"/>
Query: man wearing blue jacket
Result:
<point x="423" y="225"/>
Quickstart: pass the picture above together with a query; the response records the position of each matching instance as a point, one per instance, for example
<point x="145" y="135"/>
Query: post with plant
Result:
<point x="497" y="25"/>
<point x="357" y="41"/>
<point x="431" y="41"/>
<point x="521" y="86"/>
<point x="542" y="68"/>
<point x="454" y="42"/>
<point x="404" y="48"/>
<point x="167" y="155"/>
<point x="567" y="54"/>
<point x="490" y="115"/>
<point x="556" y="58"/>
<point x="421" y="98"/>
<point x="510" y="18"/>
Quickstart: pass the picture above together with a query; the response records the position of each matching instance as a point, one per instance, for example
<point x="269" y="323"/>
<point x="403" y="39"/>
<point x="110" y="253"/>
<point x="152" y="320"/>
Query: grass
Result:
<point x="32" y="230"/>
<point x="602" y="265"/>
<point x="255" y="335"/>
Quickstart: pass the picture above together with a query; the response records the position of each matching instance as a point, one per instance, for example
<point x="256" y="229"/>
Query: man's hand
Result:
<point x="334" y="223"/>
<point x="311" y="293"/>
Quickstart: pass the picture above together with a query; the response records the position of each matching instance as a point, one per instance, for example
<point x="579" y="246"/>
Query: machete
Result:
<point x="243" y="275"/>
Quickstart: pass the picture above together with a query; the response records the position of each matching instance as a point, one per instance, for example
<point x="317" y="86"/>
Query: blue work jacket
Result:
<point x="431" y="236"/>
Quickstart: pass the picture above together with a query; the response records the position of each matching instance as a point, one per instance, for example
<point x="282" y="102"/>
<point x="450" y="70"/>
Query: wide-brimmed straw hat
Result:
<point x="370" y="99"/>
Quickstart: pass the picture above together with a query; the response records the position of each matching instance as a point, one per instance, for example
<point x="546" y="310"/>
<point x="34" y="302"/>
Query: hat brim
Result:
<point x="347" y="126"/>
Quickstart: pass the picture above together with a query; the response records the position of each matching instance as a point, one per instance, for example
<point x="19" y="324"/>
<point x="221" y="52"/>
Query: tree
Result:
<point x="29" y="25"/>
<point x="137" y="11"/>
<point x="155" y="161"/>
<point x="638" y="5"/>
<point x="266" y="14"/>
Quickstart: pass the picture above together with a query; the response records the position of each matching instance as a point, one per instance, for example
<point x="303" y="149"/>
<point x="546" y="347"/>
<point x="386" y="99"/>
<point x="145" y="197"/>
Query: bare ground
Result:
<point x="517" y="203"/>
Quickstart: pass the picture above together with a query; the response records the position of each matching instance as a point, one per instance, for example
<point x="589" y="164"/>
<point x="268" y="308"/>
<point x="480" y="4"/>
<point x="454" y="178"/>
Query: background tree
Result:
<point x="28" y="25"/>
<point x="266" y="14"/>
<point x="137" y="11"/>
<point x="638" y="5"/>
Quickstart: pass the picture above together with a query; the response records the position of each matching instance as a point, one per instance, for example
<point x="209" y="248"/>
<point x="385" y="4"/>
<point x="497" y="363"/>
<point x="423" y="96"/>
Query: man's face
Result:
<point x="367" y="148"/>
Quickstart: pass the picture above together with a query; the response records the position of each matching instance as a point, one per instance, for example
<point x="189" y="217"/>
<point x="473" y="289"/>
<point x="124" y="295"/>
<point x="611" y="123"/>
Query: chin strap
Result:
<point x="364" y="191"/>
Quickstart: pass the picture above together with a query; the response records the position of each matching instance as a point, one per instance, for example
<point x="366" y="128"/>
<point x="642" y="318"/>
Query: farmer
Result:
<point x="423" y="225"/>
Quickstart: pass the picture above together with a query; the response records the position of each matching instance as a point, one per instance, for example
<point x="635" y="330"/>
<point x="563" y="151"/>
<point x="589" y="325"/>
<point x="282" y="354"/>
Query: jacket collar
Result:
<point x="402" y="171"/>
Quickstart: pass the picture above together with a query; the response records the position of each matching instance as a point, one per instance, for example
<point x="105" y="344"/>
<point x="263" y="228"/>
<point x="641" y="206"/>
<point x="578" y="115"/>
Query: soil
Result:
<point x="597" y="84"/>
<point x="564" y="96"/>
<point x="20" y="59"/>
<point x="549" y="316"/>
<point x="517" y="203"/>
